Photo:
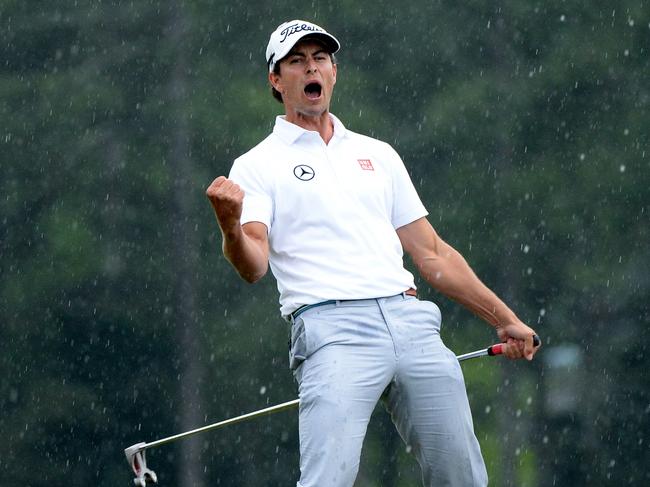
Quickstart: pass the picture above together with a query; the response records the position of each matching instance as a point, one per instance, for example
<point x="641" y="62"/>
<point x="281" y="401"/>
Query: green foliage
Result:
<point x="524" y="127"/>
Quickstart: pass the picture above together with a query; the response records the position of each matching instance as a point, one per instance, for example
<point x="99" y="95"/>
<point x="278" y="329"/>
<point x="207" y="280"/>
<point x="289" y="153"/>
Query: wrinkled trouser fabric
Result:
<point x="348" y="355"/>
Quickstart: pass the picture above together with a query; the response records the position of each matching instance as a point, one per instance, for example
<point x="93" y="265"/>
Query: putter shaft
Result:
<point x="255" y="414"/>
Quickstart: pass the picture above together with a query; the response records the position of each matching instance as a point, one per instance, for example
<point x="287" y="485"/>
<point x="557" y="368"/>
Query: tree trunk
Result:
<point x="184" y="254"/>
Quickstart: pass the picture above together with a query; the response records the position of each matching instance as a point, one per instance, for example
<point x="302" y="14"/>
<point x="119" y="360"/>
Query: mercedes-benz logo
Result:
<point x="303" y="172"/>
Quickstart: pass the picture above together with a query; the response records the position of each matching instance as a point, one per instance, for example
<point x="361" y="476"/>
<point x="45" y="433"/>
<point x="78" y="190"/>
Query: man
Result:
<point x="332" y="212"/>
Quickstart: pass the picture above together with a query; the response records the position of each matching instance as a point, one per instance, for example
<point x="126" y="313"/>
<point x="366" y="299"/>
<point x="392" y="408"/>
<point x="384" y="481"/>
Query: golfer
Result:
<point x="332" y="212"/>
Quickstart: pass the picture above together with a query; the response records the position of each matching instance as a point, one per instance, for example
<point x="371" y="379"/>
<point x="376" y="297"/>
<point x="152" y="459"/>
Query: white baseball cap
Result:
<point x="289" y="33"/>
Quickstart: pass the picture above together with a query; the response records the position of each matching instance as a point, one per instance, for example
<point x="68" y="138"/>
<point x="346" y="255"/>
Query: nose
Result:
<point x="311" y="66"/>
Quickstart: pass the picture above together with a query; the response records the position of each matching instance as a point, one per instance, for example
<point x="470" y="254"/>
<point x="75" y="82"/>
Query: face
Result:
<point x="306" y="80"/>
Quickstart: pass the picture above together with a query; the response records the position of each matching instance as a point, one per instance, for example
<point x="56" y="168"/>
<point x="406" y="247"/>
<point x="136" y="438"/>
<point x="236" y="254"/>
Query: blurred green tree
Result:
<point x="524" y="127"/>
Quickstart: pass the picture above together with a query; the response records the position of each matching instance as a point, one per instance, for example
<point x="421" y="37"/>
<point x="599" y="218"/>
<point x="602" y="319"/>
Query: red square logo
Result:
<point x="366" y="165"/>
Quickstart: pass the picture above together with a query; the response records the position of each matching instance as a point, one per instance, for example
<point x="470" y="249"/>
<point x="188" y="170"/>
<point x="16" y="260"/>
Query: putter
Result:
<point x="135" y="454"/>
<point x="136" y="457"/>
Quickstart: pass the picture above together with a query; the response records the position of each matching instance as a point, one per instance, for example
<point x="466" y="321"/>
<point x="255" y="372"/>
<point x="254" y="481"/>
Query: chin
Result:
<point x="314" y="111"/>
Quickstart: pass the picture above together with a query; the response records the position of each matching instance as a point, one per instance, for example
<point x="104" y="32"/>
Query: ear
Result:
<point x="276" y="81"/>
<point x="334" y="72"/>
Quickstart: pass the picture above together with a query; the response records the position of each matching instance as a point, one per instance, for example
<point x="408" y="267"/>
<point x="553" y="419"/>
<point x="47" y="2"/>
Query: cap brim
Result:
<point x="328" y="40"/>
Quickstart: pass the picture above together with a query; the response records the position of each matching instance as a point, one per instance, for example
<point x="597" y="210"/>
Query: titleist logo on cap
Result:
<point x="295" y="28"/>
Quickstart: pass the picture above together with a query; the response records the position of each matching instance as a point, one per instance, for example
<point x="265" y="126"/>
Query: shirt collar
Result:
<point x="290" y="133"/>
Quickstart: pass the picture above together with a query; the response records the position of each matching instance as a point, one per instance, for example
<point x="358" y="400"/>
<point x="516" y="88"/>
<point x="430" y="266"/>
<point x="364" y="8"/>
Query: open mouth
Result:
<point x="313" y="90"/>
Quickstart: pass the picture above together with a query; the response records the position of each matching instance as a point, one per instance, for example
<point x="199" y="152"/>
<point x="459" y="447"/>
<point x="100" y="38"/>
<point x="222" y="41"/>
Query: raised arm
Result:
<point x="446" y="270"/>
<point x="245" y="246"/>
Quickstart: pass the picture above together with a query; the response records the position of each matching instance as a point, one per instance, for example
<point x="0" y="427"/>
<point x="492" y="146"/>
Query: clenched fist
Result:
<point x="227" y="199"/>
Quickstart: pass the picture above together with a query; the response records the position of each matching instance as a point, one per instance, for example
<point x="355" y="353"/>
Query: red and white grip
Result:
<point x="497" y="348"/>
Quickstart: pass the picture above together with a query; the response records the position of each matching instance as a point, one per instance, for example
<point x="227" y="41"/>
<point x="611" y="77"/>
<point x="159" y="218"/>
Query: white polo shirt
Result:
<point x="331" y="211"/>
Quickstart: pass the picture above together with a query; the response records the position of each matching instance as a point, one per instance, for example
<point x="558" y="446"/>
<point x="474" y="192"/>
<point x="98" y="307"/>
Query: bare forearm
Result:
<point x="246" y="247"/>
<point x="245" y="254"/>
<point x="448" y="272"/>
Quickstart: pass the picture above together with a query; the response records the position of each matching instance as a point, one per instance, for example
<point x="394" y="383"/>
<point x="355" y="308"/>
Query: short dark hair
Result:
<point x="276" y="69"/>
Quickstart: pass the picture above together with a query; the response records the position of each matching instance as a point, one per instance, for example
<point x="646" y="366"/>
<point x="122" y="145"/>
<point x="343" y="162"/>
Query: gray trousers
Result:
<point x="349" y="354"/>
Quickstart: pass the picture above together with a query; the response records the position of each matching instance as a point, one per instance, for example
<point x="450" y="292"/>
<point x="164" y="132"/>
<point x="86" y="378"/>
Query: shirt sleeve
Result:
<point x="258" y="203"/>
<point x="407" y="206"/>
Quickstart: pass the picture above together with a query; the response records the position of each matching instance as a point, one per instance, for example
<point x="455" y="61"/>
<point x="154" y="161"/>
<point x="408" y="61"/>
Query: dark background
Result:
<point x="524" y="126"/>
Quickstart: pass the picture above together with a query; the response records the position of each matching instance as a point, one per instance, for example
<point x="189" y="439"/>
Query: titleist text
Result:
<point x="294" y="28"/>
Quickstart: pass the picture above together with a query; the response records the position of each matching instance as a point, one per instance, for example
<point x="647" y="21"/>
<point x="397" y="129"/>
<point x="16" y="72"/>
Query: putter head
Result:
<point x="135" y="455"/>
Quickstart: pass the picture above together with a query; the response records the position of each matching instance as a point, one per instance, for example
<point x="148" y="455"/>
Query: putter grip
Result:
<point x="497" y="349"/>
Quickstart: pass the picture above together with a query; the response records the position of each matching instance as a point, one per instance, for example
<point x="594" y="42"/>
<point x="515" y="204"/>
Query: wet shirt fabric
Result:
<point x="331" y="211"/>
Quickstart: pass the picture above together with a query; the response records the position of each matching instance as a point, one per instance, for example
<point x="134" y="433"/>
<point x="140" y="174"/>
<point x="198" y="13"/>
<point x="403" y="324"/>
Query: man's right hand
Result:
<point x="227" y="200"/>
<point x="245" y="246"/>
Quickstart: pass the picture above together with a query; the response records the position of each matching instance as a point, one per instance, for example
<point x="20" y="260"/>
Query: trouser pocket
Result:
<point x="297" y="344"/>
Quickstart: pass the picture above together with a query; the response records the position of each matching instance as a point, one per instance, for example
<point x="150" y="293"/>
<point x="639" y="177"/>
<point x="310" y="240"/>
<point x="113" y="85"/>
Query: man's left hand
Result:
<point x="518" y="340"/>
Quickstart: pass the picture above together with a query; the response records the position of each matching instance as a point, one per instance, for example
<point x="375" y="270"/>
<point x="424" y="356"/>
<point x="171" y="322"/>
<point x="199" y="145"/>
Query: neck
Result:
<point x="319" y="123"/>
